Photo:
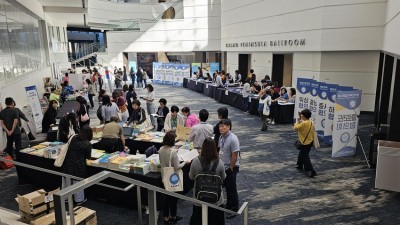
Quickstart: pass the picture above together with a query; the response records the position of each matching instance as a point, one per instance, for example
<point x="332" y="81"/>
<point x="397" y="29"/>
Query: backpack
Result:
<point x="99" y="113"/>
<point x="208" y="184"/>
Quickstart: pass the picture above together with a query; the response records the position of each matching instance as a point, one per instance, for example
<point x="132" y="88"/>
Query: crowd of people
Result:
<point x="217" y="145"/>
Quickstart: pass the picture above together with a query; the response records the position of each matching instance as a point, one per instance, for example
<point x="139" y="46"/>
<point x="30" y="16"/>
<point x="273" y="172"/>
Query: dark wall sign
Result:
<point x="274" y="43"/>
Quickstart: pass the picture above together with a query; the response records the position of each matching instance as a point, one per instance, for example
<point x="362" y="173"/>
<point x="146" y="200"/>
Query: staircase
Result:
<point x="87" y="55"/>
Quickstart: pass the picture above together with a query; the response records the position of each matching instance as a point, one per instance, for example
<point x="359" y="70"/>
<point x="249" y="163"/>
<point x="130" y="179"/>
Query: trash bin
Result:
<point x="388" y="166"/>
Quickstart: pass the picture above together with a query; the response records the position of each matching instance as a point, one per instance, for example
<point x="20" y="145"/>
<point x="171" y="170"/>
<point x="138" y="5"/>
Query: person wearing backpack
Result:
<point x="203" y="167"/>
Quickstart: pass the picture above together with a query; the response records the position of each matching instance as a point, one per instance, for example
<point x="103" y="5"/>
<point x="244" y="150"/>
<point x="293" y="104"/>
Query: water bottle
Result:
<point x="137" y="152"/>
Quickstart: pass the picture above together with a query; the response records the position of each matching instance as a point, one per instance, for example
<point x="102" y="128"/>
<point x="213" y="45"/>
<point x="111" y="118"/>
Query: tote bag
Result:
<point x="62" y="153"/>
<point x="172" y="179"/>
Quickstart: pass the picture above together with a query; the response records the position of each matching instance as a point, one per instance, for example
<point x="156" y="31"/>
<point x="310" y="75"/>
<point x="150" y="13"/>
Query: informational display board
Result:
<point x="314" y="99"/>
<point x="169" y="73"/>
<point x="181" y="71"/>
<point x="214" y="66"/>
<point x="302" y="95"/>
<point x="158" y="72"/>
<point x="321" y="109"/>
<point x="205" y="68"/>
<point x="34" y="102"/>
<point x="330" y="112"/>
<point x="195" y="68"/>
<point x="345" y="124"/>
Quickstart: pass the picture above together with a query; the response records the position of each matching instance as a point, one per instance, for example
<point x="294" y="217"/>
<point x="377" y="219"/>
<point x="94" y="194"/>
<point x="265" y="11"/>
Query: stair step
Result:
<point x="8" y="217"/>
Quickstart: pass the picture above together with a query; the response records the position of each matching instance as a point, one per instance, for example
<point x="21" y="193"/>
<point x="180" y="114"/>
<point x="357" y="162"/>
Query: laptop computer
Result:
<point x="127" y="131"/>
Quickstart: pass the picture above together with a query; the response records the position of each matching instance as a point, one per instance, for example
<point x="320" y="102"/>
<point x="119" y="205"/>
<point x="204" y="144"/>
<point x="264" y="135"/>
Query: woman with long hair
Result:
<point x="83" y="111"/>
<point x="91" y="92"/>
<point x="207" y="159"/>
<point x="49" y="116"/>
<point x="108" y="109"/>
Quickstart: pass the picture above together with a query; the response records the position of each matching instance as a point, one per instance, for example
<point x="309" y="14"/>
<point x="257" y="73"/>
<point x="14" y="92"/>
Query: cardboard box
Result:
<point x="36" y="202"/>
<point x="27" y="217"/>
<point x="182" y="133"/>
<point x="98" y="129"/>
<point x="83" y="216"/>
<point x="387" y="166"/>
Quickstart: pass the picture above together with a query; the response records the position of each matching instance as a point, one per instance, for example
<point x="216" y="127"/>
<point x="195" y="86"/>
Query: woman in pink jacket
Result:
<point x="191" y="118"/>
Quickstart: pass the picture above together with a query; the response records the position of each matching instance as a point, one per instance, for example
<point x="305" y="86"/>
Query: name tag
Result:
<point x="196" y="82"/>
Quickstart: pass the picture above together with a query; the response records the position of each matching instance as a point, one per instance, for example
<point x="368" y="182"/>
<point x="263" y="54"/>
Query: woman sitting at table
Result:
<point x="283" y="95"/>
<point x="68" y="126"/>
<point x="209" y="78"/>
<point x="64" y="91"/>
<point x="54" y="96"/>
<point x="138" y="114"/>
<point x="49" y="116"/>
<point x="191" y="118"/>
<point x="173" y="119"/>
<point x="162" y="112"/>
<point x="74" y="163"/>
<point x="255" y="89"/>
<point x="113" y="137"/>
<point x="292" y="95"/>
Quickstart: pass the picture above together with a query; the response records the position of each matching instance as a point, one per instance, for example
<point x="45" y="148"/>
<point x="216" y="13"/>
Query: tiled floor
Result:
<point x="342" y="193"/>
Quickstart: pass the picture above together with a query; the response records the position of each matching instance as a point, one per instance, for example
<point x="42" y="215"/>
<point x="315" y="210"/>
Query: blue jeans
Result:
<point x="246" y="103"/>
<point x="232" y="198"/>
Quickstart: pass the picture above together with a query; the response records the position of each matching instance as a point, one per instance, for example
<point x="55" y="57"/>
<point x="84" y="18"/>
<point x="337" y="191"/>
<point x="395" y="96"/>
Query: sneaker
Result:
<point x="273" y="122"/>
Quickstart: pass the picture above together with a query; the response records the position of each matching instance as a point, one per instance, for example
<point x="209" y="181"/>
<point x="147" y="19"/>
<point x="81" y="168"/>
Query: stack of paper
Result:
<point x="97" y="153"/>
<point x="115" y="162"/>
<point x="141" y="168"/>
<point x="186" y="155"/>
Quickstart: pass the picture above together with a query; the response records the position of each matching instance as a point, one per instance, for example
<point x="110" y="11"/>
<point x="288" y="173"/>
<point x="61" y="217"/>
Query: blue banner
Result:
<point x="321" y="109"/>
<point x="302" y="95"/>
<point x="345" y="124"/>
<point x="314" y="99"/>
<point x="330" y="112"/>
<point x="213" y="67"/>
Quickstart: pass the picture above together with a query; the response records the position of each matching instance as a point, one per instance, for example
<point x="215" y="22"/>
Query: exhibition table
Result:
<point x="283" y="113"/>
<point x="67" y="107"/>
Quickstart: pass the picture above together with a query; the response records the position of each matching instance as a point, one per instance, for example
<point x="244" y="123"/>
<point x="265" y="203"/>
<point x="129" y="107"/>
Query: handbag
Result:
<point x="85" y="117"/>
<point x="298" y="144"/>
<point x="171" y="178"/>
<point x="6" y="165"/>
<point x="62" y="153"/>
<point x="316" y="144"/>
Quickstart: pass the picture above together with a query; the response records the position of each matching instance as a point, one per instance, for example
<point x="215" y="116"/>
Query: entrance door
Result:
<point x="244" y="65"/>
<point x="282" y="67"/>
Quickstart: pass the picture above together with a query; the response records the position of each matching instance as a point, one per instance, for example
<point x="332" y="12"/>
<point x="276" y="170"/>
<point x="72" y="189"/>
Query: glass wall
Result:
<point x="21" y="47"/>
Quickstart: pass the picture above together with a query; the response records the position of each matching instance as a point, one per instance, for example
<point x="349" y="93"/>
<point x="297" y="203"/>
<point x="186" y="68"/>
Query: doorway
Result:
<point x="282" y="67"/>
<point x="244" y="61"/>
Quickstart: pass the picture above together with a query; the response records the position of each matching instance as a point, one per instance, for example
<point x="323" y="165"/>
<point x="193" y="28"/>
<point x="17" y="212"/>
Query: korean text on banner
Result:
<point x="33" y="99"/>
<point x="330" y="112"/>
<point x="345" y="124"/>
<point x="158" y="73"/>
<point x="302" y="96"/>
<point x="169" y="73"/>
<point x="314" y="99"/>
<point x="321" y="109"/>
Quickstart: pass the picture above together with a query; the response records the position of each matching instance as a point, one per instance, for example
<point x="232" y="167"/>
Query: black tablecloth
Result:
<point x="209" y="90"/>
<point x="142" y="146"/>
<point x="284" y="114"/>
<point x="185" y="82"/>
<point x="67" y="107"/>
<point x="191" y="85"/>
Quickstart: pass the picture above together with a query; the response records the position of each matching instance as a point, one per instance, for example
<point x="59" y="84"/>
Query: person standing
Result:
<point x="168" y="157"/>
<point x="82" y="111"/>
<point x="265" y="98"/>
<point x="124" y="75"/>
<point x="219" y="82"/>
<point x="130" y="96"/>
<point x="305" y="131"/>
<point x="132" y="75"/>
<point x="229" y="153"/>
<point x="252" y="76"/>
<point x="139" y="76"/>
<point x="151" y="107"/>
<point x="207" y="160"/>
<point x="108" y="109"/>
<point x="67" y="127"/>
<point x="238" y="76"/>
<point x="118" y="78"/>
<point x="201" y="131"/>
<point x="9" y="118"/>
<point x="162" y="112"/>
<point x="74" y="163"/>
<point x="246" y="93"/>
<point x="91" y="92"/>
<point x="108" y="78"/>
<point x="222" y="114"/>
<point x="145" y="77"/>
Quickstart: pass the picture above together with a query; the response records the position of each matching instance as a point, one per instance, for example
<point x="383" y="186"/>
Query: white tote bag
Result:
<point x="62" y="153"/>
<point x="172" y="179"/>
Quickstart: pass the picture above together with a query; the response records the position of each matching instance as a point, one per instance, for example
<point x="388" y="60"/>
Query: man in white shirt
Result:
<point x="201" y="131"/>
<point x="219" y="80"/>
<point x="238" y="76"/>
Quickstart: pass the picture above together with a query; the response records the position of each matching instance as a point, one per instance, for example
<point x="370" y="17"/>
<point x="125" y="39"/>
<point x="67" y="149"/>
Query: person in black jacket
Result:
<point x="162" y="112"/>
<point x="222" y="114"/>
<point x="67" y="123"/>
<point x="83" y="109"/>
<point x="74" y="164"/>
<point x="138" y="114"/>
<point x="130" y="96"/>
<point x="49" y="116"/>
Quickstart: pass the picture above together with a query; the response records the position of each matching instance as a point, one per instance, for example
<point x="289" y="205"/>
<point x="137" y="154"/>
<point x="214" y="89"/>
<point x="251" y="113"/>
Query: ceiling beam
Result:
<point x="61" y="9"/>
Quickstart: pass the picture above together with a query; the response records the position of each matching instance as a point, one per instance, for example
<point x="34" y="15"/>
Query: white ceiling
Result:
<point x="71" y="11"/>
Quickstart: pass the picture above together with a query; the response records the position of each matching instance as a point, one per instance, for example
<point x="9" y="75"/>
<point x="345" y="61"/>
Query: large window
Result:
<point x="21" y="46"/>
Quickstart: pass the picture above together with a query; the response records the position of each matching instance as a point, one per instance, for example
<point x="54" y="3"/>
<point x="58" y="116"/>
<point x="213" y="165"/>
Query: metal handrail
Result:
<point x="66" y="194"/>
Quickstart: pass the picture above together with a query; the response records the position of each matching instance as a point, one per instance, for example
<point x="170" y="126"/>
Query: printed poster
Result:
<point x="34" y="102"/>
<point x="321" y="109"/>
<point x="195" y="68"/>
<point x="330" y="112"/>
<point x="345" y="124"/>
<point x="181" y="70"/>
<point x="169" y="73"/>
<point x="214" y="66"/>
<point x="158" y="73"/>
<point x="205" y="68"/>
<point x="302" y="95"/>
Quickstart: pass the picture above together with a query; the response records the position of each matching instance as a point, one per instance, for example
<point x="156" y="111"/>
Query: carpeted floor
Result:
<point x="342" y="193"/>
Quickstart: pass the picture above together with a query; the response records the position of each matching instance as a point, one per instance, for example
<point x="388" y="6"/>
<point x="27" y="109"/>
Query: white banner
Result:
<point x="169" y="73"/>
<point x="345" y="125"/>
<point x="158" y="73"/>
<point x="33" y="99"/>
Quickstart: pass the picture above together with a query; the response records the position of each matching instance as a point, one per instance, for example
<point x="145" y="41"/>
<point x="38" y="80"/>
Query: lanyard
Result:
<point x="223" y="139"/>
